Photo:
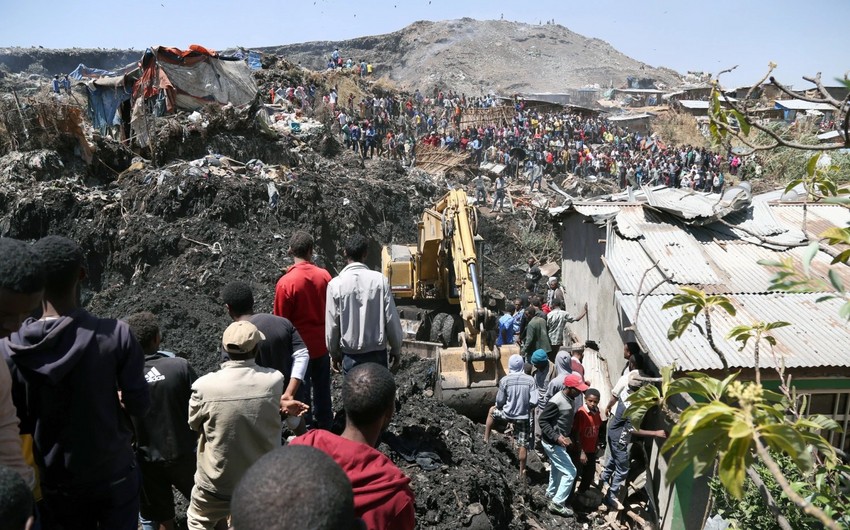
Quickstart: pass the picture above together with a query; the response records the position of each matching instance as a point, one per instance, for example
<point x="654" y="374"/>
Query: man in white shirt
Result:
<point x="361" y="317"/>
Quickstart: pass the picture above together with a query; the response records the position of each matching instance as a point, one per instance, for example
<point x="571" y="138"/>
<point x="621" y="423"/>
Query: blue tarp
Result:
<point x="104" y="102"/>
<point x="254" y="60"/>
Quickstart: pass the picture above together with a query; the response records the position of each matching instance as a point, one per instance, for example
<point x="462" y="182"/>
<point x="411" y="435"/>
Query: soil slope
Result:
<point x="477" y="56"/>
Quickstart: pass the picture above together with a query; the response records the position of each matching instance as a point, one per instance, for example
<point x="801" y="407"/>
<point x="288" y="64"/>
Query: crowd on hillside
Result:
<point x="532" y="144"/>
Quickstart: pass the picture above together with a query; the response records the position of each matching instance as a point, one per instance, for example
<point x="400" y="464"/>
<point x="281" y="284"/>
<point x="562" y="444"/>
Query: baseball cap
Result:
<point x="241" y="337"/>
<point x="574" y="380"/>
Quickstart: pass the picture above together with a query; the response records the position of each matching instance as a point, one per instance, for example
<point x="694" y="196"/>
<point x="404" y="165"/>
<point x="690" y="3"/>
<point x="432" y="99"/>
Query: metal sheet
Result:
<point x="816" y="338"/>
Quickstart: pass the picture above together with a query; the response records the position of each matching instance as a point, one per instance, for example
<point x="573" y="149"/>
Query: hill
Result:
<point x="469" y="56"/>
<point x="475" y="56"/>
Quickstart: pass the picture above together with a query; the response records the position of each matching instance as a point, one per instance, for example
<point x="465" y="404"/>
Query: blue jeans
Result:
<point x="350" y="361"/>
<point x="315" y="390"/>
<point x="562" y="475"/>
<point x="616" y="468"/>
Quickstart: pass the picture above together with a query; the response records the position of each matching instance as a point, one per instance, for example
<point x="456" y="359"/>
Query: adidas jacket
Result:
<point x="163" y="435"/>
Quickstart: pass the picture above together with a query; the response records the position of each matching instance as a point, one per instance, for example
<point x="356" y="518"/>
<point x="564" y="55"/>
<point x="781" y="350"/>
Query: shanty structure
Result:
<point x="498" y="115"/>
<point x="631" y="258"/>
<point x="791" y="107"/>
<point x="439" y="160"/>
<point x="190" y="79"/>
<point x="633" y="122"/>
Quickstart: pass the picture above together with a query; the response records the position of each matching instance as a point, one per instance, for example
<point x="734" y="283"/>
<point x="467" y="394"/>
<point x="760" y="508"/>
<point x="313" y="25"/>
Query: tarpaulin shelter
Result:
<point x="191" y="79"/>
<point x="83" y="72"/>
<point x="105" y="95"/>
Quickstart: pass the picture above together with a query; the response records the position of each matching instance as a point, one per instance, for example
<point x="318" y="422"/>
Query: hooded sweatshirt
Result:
<point x="382" y="494"/>
<point x="563" y="365"/>
<point x="66" y="376"/>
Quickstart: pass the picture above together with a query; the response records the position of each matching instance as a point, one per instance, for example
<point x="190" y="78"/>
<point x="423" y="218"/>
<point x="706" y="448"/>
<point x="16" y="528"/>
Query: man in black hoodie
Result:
<point x="75" y="377"/>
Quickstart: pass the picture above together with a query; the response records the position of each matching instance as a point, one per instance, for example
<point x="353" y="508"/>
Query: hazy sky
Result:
<point x="802" y="37"/>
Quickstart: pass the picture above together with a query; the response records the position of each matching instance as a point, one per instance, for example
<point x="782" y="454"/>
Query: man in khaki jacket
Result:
<point x="236" y="412"/>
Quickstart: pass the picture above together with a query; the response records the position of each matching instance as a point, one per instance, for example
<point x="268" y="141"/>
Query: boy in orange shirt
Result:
<point x="586" y="433"/>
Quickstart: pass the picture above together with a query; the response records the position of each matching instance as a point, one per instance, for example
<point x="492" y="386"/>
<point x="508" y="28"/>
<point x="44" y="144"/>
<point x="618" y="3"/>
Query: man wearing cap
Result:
<point x="515" y="400"/>
<point x="620" y="432"/>
<point x="236" y="411"/>
<point x="556" y="424"/>
<point x="554" y="292"/>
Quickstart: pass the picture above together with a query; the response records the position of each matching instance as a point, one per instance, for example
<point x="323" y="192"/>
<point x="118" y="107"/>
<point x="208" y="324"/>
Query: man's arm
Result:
<point x="548" y="419"/>
<point x="300" y="360"/>
<point x="283" y="306"/>
<point x="332" y="323"/>
<point x="655" y="434"/>
<point x="197" y="416"/>
<point x="393" y="331"/>
<point x="501" y="396"/>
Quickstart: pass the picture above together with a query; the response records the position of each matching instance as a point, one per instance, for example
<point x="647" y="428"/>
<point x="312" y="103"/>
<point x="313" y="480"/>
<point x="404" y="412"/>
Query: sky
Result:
<point x="801" y="37"/>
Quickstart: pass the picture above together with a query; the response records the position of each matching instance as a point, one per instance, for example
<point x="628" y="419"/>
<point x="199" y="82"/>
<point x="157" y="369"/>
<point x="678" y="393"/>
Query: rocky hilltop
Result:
<point x="475" y="56"/>
<point x="470" y="56"/>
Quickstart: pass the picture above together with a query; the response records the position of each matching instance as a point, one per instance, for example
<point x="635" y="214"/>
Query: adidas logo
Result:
<point x="153" y="376"/>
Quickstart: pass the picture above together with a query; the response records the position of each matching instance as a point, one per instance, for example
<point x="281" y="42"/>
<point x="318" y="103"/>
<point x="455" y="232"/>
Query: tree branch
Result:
<point x="789" y="492"/>
<point x="823" y="92"/>
<point x="768" y="499"/>
<point x="788" y="91"/>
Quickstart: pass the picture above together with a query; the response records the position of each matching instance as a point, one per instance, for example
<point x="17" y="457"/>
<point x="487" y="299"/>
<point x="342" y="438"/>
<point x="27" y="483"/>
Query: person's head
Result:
<point x="531" y="261"/>
<point x="553" y="282"/>
<point x="15" y="501"/>
<point x="146" y="329"/>
<point x="21" y="284"/>
<point x="291" y="488"/>
<point x="301" y="245"/>
<point x="577" y="351"/>
<point x="637" y="362"/>
<point x="557" y="304"/>
<point x="539" y="359"/>
<point x="63" y="263"/>
<point x="592" y="398"/>
<point x="574" y="384"/>
<point x="531" y="311"/>
<point x="238" y="299"/>
<point x="516" y="364"/>
<point x="368" y="397"/>
<point x="356" y="248"/>
<point x="629" y="349"/>
<point x="240" y="340"/>
<point x="536" y="301"/>
<point x="518" y="303"/>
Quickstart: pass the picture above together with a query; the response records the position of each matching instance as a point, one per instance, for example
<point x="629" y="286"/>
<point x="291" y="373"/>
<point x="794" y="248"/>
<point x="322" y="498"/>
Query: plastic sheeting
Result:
<point x="255" y="60"/>
<point x="104" y="100"/>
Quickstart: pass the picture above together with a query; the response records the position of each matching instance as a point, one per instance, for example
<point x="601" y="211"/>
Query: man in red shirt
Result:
<point x="382" y="494"/>
<point x="300" y="297"/>
<point x="586" y="433"/>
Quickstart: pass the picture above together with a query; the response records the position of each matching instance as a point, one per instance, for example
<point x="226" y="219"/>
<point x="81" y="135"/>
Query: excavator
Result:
<point x="436" y="284"/>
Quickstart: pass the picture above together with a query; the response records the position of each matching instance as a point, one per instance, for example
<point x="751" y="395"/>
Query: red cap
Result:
<point x="574" y="380"/>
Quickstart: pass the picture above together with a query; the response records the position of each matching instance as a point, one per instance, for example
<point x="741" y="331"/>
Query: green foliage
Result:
<point x="693" y="302"/>
<point x="758" y="330"/>
<point x="750" y="512"/>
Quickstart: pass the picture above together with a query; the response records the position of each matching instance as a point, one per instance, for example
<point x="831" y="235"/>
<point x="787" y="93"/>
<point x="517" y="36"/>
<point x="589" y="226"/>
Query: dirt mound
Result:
<point x="476" y="485"/>
<point x="477" y="56"/>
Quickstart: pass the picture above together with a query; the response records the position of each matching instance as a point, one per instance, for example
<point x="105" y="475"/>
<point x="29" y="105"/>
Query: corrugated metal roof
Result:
<point x="799" y="104"/>
<point x="816" y="338"/>
<point x="595" y="209"/>
<point x="687" y="204"/>
<point x="630" y="117"/>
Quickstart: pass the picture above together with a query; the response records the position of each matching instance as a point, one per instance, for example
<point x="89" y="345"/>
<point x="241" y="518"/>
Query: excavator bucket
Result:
<point x="470" y="387"/>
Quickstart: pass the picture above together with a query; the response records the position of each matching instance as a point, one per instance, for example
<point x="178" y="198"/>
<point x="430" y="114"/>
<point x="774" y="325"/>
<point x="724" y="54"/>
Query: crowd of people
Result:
<point x="532" y="143"/>
<point x="549" y="404"/>
<point x="98" y="423"/>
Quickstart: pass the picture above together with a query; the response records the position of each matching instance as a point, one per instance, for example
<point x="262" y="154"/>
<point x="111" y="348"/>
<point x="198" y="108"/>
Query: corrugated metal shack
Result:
<point x="617" y="256"/>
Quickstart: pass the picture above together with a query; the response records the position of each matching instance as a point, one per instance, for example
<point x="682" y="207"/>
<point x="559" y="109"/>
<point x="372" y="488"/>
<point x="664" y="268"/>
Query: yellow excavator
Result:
<point x="437" y="288"/>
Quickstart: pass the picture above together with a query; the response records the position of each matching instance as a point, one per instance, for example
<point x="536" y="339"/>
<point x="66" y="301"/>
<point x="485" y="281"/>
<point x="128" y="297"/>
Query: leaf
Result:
<point x="836" y="235"/>
<point x="677" y="301"/>
<point x="793" y="184"/>
<point x="843" y="257"/>
<point x="812" y="165"/>
<point x="776" y="324"/>
<point x="740" y="429"/>
<point x="678" y="327"/>
<point x="733" y="466"/>
<point x="727" y="306"/>
<point x="809" y="255"/>
<point x="769" y="263"/>
<point x="835" y="280"/>
<point x="844" y="312"/>
<point x="743" y="123"/>
<point x="688" y="385"/>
